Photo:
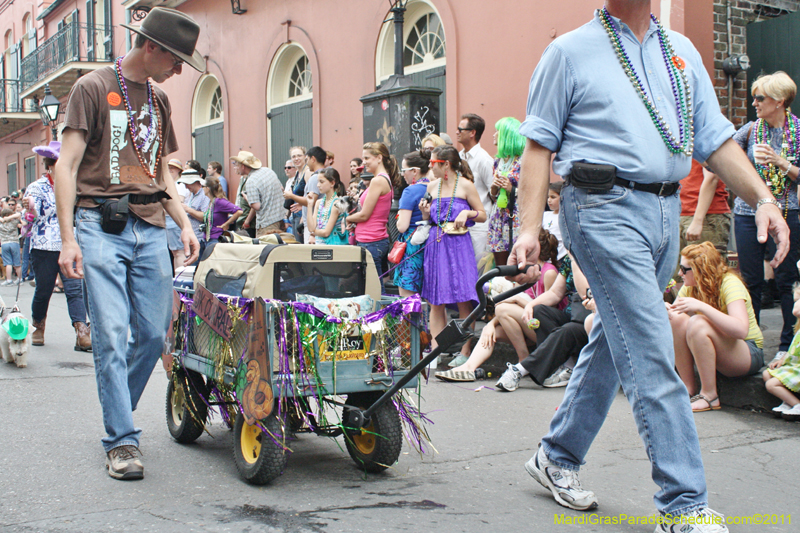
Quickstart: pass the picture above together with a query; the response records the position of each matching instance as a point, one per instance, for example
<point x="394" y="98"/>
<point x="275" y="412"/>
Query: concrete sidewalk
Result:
<point x="743" y="393"/>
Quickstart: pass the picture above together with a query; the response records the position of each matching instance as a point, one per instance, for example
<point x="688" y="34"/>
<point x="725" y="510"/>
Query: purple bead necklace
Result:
<point x="680" y="87"/>
<point x="131" y="115"/>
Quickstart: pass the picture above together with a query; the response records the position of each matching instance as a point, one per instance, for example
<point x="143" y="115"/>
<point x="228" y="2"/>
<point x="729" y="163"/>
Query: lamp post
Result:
<point x="48" y="110"/>
<point x="398" y="11"/>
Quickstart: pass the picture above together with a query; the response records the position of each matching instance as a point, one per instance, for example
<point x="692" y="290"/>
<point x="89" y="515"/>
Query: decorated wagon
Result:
<point x="284" y="339"/>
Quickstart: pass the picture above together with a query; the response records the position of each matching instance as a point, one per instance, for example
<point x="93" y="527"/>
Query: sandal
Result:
<point x="456" y="375"/>
<point x="58" y="289"/>
<point x="710" y="407"/>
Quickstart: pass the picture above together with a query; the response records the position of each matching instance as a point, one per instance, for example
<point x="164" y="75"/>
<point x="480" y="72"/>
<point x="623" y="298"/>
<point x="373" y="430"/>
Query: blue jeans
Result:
<point x="751" y="265"/>
<point x="379" y="250"/>
<point x="631" y="341"/>
<point x="27" y="264"/>
<point x="129" y="285"/>
<point x="46" y="268"/>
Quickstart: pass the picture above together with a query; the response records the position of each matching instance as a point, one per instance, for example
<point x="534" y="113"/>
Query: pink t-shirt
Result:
<point x="538" y="287"/>
<point x="374" y="228"/>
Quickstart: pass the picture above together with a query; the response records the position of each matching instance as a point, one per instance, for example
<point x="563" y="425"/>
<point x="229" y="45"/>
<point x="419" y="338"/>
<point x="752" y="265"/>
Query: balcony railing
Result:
<point x="74" y="42"/>
<point x="10" y="101"/>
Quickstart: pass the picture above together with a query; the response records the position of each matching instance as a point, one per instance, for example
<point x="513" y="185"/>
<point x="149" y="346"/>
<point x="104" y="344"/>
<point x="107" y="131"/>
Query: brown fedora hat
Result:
<point x="175" y="31"/>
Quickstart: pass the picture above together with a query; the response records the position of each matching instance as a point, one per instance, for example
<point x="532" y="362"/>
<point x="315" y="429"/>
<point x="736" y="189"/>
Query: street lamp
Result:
<point x="398" y="10"/>
<point x="48" y="110"/>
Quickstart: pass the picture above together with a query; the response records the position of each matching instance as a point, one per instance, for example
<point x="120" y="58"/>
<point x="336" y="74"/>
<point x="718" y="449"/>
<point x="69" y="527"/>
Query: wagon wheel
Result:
<point x="258" y="457"/>
<point x="186" y="413"/>
<point x="378" y="445"/>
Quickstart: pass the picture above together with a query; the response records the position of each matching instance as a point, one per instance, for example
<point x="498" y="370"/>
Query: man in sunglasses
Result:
<point x="468" y="134"/>
<point x="602" y="100"/>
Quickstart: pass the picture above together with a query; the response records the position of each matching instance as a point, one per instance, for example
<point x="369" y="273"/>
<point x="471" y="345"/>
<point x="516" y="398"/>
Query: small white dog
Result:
<point x="15" y="336"/>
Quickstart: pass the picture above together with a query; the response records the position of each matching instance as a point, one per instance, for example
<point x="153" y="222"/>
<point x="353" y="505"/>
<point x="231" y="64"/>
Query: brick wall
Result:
<point x="743" y="12"/>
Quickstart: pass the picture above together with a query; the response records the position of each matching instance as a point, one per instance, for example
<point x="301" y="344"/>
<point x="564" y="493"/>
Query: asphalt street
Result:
<point x="52" y="475"/>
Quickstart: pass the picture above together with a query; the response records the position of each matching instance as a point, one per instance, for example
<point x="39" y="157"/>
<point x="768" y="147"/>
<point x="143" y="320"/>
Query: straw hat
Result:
<point x="190" y="176"/>
<point x="247" y="159"/>
<point x="175" y="31"/>
<point x="175" y="163"/>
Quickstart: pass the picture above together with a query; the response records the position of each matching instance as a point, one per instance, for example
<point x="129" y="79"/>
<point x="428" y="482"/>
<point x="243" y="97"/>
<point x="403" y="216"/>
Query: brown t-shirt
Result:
<point x="110" y="167"/>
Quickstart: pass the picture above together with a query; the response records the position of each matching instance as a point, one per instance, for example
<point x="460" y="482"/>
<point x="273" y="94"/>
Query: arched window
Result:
<point x="424" y="51"/>
<point x="290" y="94"/>
<point x="208" y="117"/>
<point x="216" y="105"/>
<point x="28" y="39"/>
<point x="425" y="41"/>
<point x="300" y="80"/>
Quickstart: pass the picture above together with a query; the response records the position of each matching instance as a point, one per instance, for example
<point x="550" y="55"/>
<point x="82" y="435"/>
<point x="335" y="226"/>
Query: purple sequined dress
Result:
<point x="450" y="272"/>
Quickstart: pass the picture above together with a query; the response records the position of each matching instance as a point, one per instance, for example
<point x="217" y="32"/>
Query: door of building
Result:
<point x="30" y="170"/>
<point x="12" y="177"/>
<point x="290" y="125"/>
<point x="208" y="144"/>
<point x="436" y="78"/>
<point x="772" y="45"/>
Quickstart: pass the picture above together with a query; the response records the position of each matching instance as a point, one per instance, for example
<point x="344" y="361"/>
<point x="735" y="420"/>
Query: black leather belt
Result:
<point x="662" y="189"/>
<point x="140" y="199"/>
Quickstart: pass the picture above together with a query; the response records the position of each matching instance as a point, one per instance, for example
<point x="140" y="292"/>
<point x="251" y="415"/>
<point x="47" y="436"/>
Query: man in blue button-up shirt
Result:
<point x="583" y="106"/>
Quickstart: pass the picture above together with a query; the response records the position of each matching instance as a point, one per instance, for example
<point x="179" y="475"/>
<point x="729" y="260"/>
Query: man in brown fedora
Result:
<point x="112" y="180"/>
<point x="262" y="190"/>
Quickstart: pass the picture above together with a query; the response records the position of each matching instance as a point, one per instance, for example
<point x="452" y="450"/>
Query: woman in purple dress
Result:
<point x="221" y="212"/>
<point x="450" y="272"/>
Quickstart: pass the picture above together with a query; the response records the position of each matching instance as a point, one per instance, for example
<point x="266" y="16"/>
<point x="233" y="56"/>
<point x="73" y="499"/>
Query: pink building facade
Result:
<point x="291" y="72"/>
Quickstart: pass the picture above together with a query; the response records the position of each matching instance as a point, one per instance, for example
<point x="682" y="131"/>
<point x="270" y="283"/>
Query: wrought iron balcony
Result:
<point x="15" y="113"/>
<point x="10" y="102"/>
<point x="59" y="60"/>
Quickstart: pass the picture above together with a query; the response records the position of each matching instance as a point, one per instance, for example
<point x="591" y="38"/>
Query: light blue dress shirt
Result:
<point x="583" y="106"/>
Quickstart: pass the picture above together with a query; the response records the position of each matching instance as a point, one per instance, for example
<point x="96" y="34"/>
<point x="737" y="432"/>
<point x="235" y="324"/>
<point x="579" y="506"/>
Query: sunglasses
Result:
<point x="465" y="129"/>
<point x="759" y="97"/>
<point x="685" y="269"/>
<point x="175" y="59"/>
<point x="434" y="161"/>
<point x="288" y="168"/>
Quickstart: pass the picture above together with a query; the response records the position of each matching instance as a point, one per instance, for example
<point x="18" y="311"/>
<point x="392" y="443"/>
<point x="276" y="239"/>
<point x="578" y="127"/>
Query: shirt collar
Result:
<point x="625" y="29"/>
<point x="473" y="151"/>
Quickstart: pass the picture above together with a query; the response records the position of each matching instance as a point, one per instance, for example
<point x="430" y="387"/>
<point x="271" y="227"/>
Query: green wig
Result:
<point x="509" y="141"/>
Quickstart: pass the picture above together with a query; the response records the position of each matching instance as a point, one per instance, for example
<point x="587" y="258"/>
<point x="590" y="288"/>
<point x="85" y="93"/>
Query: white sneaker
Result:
<point x="560" y="378"/>
<point x="782" y="408"/>
<point x="7" y="282"/>
<point x="509" y="381"/>
<point x="699" y="521"/>
<point x="792" y="414"/>
<point x="563" y="483"/>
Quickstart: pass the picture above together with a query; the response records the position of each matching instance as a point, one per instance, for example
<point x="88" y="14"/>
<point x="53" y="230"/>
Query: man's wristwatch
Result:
<point x="772" y="201"/>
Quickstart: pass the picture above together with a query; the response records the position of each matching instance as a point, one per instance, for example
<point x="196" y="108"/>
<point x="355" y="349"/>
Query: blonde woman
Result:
<point x="772" y="143"/>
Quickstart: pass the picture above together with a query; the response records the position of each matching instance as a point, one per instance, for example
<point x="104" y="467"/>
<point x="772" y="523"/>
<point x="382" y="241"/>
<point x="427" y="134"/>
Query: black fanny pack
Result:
<point x="593" y="177"/>
<point x="115" y="211"/>
<point x="601" y="178"/>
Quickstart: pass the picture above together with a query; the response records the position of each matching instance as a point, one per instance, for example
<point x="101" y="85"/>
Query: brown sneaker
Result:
<point x="123" y="463"/>
<point x="37" y="337"/>
<point x="83" y="337"/>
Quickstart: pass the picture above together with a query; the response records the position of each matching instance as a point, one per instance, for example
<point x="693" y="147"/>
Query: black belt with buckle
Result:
<point x="661" y="189"/>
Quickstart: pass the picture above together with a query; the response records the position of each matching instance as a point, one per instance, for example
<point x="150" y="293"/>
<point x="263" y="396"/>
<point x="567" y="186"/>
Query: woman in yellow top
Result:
<point x="713" y="325"/>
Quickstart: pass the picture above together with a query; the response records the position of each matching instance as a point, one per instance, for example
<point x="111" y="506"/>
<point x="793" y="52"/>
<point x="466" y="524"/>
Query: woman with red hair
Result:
<point x="713" y="325"/>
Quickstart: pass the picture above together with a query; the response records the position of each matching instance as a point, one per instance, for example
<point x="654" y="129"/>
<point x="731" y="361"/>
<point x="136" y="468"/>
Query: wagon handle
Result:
<point x="455" y="334"/>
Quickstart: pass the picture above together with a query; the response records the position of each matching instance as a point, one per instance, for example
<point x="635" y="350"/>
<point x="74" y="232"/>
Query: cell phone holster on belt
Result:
<point x="593" y="177"/>
<point x="115" y="214"/>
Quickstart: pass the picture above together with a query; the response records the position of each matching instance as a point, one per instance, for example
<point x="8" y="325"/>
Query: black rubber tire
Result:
<point x="267" y="461"/>
<point x="375" y="453"/>
<point x="184" y="427"/>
